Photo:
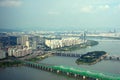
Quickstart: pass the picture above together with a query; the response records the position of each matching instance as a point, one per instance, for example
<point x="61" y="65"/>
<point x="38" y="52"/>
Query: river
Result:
<point x="105" y="66"/>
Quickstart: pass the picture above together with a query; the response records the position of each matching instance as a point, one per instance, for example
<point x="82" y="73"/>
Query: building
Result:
<point x="13" y="40"/>
<point x="18" y="40"/>
<point x="8" y="41"/>
<point x="2" y="54"/>
<point x="56" y="43"/>
<point x="27" y="44"/>
<point x="19" y="51"/>
<point x="24" y="38"/>
<point x="34" y="45"/>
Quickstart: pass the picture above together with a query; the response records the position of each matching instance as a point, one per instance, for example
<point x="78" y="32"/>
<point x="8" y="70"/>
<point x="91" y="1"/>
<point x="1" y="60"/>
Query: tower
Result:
<point x="84" y="36"/>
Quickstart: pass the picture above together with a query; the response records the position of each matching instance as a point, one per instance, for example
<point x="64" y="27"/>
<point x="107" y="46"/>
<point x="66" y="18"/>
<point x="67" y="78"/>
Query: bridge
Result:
<point x="112" y="57"/>
<point x="108" y="57"/>
<point x="78" y="73"/>
<point x="81" y="74"/>
<point x="67" y="54"/>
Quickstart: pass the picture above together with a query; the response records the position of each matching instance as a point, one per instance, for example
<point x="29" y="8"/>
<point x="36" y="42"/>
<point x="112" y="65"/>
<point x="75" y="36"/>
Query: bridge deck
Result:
<point x="82" y="72"/>
<point x="109" y="57"/>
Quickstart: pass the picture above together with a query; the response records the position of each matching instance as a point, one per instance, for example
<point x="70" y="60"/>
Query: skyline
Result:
<point x="60" y="15"/>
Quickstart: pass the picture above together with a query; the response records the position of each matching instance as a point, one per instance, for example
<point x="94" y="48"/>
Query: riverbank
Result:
<point x="39" y="58"/>
<point x="78" y="46"/>
<point x="4" y="64"/>
<point x="13" y="61"/>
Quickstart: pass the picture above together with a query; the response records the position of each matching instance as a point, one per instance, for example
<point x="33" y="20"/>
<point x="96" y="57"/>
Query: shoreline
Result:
<point x="5" y="64"/>
<point x="39" y="58"/>
<point x="78" y="46"/>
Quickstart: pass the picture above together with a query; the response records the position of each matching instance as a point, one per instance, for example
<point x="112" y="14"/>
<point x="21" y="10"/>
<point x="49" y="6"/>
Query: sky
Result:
<point x="60" y="14"/>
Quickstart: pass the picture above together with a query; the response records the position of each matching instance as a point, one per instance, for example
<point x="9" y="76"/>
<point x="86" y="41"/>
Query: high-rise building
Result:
<point x="34" y="45"/>
<point x="18" y="40"/>
<point x="24" y="38"/>
<point x="27" y="44"/>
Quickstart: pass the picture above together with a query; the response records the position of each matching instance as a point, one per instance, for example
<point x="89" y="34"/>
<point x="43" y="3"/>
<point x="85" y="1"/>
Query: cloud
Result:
<point x="10" y="3"/>
<point x="95" y="8"/>
<point x="87" y="9"/>
<point x="118" y="6"/>
<point x="104" y="7"/>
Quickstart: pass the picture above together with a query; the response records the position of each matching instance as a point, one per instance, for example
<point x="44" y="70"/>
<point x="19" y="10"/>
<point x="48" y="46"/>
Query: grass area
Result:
<point x="35" y="59"/>
<point x="38" y="58"/>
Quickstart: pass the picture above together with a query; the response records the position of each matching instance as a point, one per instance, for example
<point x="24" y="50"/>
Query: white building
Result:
<point x="17" y="52"/>
<point x="56" y="43"/>
<point x="27" y="44"/>
<point x="10" y="51"/>
<point x="23" y="39"/>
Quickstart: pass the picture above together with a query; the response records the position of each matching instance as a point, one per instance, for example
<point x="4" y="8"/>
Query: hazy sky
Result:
<point x="60" y="14"/>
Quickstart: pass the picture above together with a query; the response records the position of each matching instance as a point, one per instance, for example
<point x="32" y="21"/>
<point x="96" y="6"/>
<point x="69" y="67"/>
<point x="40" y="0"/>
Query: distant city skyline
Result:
<point x="60" y="14"/>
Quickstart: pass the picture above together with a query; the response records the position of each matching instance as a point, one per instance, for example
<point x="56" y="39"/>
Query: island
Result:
<point x="91" y="57"/>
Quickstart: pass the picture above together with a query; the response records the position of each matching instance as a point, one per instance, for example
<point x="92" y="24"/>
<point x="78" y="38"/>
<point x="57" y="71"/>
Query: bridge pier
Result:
<point x="110" y="58"/>
<point x="75" y="75"/>
<point x="45" y="68"/>
<point x="68" y="73"/>
<point x="51" y="69"/>
<point x="68" y="54"/>
<point x="37" y="66"/>
<point x="118" y="58"/>
<point x="41" y="67"/>
<point x="31" y="65"/>
<point x="58" y="71"/>
<point x="48" y="69"/>
<point x="114" y="58"/>
<point x="84" y="77"/>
